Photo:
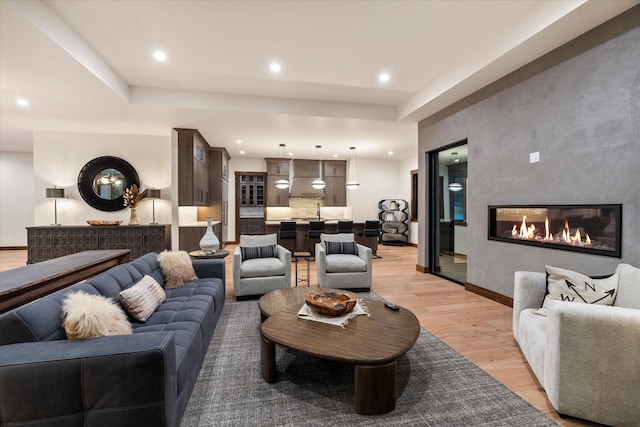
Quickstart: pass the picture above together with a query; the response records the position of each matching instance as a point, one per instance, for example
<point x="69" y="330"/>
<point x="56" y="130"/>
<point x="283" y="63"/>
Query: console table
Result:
<point x="22" y="285"/>
<point x="47" y="242"/>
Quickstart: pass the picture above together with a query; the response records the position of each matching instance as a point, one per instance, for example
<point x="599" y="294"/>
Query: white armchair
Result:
<point x="343" y="271"/>
<point x="259" y="275"/>
<point x="586" y="357"/>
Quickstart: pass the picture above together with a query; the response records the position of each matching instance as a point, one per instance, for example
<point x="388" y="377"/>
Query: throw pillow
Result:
<point x="259" y="252"/>
<point x="143" y="298"/>
<point x="350" y="248"/>
<point x="91" y="316"/>
<point x="570" y="286"/>
<point x="176" y="268"/>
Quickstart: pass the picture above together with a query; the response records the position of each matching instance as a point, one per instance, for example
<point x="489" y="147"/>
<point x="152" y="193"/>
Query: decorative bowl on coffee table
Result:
<point x="331" y="303"/>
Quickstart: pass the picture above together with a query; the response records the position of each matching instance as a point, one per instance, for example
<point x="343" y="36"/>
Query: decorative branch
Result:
<point x="132" y="196"/>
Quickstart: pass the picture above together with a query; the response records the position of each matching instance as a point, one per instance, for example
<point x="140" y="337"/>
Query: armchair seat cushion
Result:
<point x="345" y="263"/>
<point x="262" y="267"/>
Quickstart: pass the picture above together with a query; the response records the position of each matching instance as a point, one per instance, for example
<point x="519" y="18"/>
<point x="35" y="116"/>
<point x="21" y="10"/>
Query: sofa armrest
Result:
<point x="529" y="289"/>
<point x="237" y="261"/>
<point x="103" y="381"/>
<point x="209" y="268"/>
<point x="591" y="364"/>
<point x="284" y="255"/>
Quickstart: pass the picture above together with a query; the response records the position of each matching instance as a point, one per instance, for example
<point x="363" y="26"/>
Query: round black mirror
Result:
<point x="102" y="182"/>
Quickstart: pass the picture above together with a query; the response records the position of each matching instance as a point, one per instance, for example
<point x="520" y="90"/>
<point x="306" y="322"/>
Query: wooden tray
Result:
<point x="99" y="223"/>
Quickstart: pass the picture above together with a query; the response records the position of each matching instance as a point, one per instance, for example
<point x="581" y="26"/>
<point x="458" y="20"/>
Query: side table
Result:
<point x="306" y="256"/>
<point x="220" y="253"/>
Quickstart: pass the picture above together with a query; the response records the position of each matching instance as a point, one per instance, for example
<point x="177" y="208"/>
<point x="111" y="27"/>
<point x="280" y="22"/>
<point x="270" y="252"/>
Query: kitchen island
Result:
<point x="305" y="244"/>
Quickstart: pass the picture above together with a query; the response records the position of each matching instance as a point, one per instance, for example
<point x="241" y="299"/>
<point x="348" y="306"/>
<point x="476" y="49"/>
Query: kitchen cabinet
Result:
<point x="251" y="225"/>
<point x="252" y="190"/>
<point x="335" y="175"/>
<point x="219" y="183"/>
<point x="193" y="166"/>
<point x="277" y="169"/>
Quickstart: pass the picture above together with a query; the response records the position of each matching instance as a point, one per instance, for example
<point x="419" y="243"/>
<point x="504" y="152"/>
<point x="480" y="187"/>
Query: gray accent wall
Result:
<point x="579" y="107"/>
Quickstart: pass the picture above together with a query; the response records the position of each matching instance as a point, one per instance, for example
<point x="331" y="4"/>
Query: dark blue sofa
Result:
<point x="143" y="379"/>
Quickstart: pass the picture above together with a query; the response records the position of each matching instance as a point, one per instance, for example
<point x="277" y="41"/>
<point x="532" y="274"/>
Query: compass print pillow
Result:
<point x="570" y="286"/>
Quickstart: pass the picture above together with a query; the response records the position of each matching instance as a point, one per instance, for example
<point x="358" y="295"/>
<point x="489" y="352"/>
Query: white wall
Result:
<point x="58" y="158"/>
<point x="378" y="180"/>
<point x="16" y="198"/>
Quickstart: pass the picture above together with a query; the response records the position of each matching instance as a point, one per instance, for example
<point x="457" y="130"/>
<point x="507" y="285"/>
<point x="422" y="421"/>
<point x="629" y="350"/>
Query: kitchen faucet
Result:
<point x="318" y="211"/>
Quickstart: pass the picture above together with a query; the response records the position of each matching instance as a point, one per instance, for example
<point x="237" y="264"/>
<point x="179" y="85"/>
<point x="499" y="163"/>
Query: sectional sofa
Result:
<point x="141" y="379"/>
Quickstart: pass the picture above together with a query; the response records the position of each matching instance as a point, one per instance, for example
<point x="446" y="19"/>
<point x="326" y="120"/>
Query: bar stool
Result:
<point x="345" y="226"/>
<point x="288" y="233"/>
<point x="371" y="234"/>
<point x="316" y="228"/>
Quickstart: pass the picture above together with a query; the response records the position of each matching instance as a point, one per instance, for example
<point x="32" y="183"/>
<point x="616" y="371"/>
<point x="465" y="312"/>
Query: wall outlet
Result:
<point x="534" y="157"/>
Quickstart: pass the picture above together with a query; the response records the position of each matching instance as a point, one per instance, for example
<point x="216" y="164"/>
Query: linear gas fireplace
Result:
<point x="594" y="229"/>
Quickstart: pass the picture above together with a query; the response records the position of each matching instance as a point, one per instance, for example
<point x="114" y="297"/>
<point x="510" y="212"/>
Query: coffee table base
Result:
<point x="375" y="385"/>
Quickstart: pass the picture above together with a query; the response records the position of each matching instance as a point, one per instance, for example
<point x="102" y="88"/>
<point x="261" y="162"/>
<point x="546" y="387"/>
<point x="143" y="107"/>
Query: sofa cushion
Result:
<point x="350" y="248"/>
<point x="262" y="267"/>
<point x="249" y="241"/>
<point x="91" y="316"/>
<point x="343" y="263"/>
<point x="628" y="287"/>
<point x="176" y="267"/>
<point x="570" y="286"/>
<point x="142" y="299"/>
<point x="252" y="252"/>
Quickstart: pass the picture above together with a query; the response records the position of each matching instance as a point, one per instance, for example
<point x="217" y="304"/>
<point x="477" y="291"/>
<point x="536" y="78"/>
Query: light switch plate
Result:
<point x="534" y="157"/>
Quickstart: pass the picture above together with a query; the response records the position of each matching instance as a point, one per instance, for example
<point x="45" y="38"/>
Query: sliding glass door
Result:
<point x="448" y="212"/>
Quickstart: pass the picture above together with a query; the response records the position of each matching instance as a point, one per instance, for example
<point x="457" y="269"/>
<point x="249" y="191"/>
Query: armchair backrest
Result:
<point x="341" y="237"/>
<point x="628" y="287"/>
<point x="252" y="241"/>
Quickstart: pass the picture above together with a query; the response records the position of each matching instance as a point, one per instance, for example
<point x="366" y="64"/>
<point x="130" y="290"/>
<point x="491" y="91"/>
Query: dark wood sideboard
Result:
<point x="47" y="242"/>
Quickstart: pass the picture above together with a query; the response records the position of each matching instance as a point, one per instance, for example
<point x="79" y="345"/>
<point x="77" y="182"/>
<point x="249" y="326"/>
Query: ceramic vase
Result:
<point x="209" y="242"/>
<point x="133" y="220"/>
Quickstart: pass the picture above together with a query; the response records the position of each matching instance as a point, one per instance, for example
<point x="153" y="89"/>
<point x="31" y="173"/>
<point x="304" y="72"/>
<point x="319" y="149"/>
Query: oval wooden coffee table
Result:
<point x="372" y="344"/>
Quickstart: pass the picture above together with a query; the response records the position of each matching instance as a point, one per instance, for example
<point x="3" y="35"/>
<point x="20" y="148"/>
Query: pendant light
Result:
<point x="352" y="177"/>
<point x="319" y="183"/>
<point x="282" y="184"/>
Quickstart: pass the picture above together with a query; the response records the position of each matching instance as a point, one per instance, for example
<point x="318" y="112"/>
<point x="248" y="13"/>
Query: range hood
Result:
<point x="304" y="172"/>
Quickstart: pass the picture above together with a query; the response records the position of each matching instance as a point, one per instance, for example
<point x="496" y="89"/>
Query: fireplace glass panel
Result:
<point x="592" y="229"/>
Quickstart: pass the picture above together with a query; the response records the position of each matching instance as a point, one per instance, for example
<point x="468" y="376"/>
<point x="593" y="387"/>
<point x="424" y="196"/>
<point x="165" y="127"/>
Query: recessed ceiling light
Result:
<point x="384" y="77"/>
<point x="160" y="56"/>
<point x="23" y="102"/>
<point x="275" y="67"/>
<point x="241" y="151"/>
<point x="238" y="141"/>
<point x="390" y="153"/>
<point x="290" y="154"/>
<point x="335" y="155"/>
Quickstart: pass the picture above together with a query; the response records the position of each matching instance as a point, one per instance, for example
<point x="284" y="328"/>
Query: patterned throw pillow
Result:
<point x="569" y="286"/>
<point x="350" y="248"/>
<point x="143" y="298"/>
<point x="259" y="252"/>
<point x="176" y="268"/>
<point x="91" y="316"/>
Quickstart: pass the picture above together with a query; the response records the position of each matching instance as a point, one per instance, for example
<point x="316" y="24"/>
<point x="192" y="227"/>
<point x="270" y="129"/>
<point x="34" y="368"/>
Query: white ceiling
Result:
<point x="87" y="66"/>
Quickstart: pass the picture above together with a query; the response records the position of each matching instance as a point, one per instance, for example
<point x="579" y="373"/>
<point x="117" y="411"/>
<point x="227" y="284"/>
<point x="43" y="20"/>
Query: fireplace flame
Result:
<point x="529" y="232"/>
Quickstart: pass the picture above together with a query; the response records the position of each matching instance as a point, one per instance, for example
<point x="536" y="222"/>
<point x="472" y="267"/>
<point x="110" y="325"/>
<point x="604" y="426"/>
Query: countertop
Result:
<point x="305" y="221"/>
<point x="198" y="224"/>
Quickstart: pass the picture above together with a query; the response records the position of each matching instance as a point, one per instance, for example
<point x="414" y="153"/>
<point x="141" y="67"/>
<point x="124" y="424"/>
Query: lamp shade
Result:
<point x="153" y="193"/>
<point x="55" y="193"/>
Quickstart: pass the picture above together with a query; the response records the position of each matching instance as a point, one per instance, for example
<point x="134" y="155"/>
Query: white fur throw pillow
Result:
<point x="91" y="316"/>
<point x="143" y="298"/>
<point x="176" y="268"/>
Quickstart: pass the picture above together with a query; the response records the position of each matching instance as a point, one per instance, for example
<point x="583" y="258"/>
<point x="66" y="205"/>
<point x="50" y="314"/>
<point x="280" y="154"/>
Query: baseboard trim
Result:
<point x="415" y="245"/>
<point x="13" y="248"/>
<point x="494" y="296"/>
<point x="422" y="269"/>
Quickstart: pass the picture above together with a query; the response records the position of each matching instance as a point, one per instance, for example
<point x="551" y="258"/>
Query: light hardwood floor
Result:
<point x="478" y="328"/>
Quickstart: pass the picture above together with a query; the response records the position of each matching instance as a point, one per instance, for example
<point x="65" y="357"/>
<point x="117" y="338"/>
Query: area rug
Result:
<point x="436" y="386"/>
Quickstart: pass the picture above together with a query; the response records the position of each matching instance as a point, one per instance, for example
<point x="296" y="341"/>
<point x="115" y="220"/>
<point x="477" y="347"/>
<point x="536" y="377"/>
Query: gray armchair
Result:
<point x="260" y="272"/>
<point x="340" y="270"/>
